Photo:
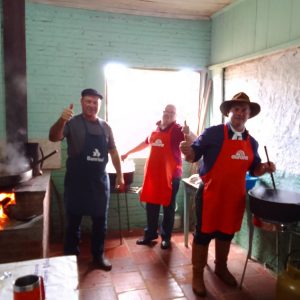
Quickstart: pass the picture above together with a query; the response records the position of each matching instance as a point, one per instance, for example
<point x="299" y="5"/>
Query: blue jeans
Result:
<point x="167" y="224"/>
<point x="72" y="238"/>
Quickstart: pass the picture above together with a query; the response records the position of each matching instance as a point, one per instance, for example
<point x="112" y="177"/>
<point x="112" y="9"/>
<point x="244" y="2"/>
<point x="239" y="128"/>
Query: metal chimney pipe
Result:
<point x="14" y="53"/>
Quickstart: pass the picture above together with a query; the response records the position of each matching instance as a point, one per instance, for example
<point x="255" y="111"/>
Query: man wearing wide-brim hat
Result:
<point x="238" y="99"/>
<point x="228" y="152"/>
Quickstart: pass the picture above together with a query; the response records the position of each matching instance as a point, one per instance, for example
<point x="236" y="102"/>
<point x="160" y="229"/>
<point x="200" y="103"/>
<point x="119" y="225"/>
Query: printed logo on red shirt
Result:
<point x="157" y="143"/>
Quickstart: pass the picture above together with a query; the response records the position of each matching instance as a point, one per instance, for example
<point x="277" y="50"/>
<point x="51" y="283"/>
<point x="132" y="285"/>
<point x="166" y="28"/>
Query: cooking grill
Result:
<point x="275" y="205"/>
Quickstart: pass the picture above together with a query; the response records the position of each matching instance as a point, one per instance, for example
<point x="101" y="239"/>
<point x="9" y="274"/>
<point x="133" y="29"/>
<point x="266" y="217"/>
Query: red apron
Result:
<point x="224" y="195"/>
<point x="159" y="169"/>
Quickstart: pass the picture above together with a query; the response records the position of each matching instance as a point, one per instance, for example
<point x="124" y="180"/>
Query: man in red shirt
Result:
<point x="163" y="171"/>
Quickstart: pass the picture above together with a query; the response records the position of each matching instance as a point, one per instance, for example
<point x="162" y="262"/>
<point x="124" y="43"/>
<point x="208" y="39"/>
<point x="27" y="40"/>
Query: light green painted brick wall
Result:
<point x="68" y="48"/>
<point x="66" y="51"/>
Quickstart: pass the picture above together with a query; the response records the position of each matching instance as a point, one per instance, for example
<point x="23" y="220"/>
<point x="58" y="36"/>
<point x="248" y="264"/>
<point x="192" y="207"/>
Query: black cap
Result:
<point x="91" y="92"/>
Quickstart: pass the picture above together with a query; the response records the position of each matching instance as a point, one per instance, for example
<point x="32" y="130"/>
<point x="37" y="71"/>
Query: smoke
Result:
<point x="12" y="159"/>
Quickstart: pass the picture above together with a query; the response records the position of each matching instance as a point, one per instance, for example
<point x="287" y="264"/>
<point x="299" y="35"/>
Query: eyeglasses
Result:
<point x="169" y="112"/>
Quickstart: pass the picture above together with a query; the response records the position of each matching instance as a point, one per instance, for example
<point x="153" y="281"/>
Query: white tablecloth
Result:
<point x="60" y="276"/>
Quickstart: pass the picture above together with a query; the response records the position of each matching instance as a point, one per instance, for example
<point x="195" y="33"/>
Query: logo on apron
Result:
<point x="95" y="156"/>
<point x="240" y="154"/>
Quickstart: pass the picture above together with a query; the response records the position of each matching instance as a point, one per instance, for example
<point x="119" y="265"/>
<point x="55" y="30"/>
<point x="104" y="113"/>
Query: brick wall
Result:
<point x="68" y="48"/>
<point x="66" y="52"/>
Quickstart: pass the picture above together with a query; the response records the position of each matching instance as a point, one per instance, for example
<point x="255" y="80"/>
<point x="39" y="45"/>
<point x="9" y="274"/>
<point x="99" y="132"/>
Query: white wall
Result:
<point x="273" y="82"/>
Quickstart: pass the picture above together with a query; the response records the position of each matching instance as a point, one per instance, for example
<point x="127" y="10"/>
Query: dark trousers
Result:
<point x="167" y="224"/>
<point x="200" y="237"/>
<point x="72" y="237"/>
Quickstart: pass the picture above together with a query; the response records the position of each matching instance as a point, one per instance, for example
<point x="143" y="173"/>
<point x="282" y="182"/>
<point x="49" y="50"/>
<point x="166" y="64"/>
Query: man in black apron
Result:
<point x="89" y="140"/>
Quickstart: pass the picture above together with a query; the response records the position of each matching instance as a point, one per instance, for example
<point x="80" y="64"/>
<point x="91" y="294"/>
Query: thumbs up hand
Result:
<point x="186" y="131"/>
<point x="68" y="113"/>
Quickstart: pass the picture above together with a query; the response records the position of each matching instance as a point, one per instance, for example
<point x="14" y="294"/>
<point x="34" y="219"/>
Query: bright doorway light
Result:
<point x="136" y="99"/>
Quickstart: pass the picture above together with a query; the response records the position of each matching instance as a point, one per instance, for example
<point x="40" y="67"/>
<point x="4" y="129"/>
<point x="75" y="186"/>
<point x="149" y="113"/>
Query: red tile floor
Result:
<point x="148" y="272"/>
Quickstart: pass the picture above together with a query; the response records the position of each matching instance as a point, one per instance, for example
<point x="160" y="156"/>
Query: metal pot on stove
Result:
<point x="128" y="169"/>
<point x="20" y="165"/>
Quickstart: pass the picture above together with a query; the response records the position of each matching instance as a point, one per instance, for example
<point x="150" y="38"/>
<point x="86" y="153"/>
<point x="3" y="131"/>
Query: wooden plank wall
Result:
<point x="254" y="27"/>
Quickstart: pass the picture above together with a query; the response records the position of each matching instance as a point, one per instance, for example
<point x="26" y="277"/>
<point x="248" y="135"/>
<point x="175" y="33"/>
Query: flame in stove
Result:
<point x="6" y="199"/>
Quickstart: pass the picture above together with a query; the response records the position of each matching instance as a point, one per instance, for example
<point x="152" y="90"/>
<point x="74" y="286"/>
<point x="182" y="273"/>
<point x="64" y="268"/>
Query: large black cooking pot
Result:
<point x="277" y="206"/>
<point x="10" y="180"/>
<point x="24" y="173"/>
<point x="128" y="179"/>
<point x="128" y="169"/>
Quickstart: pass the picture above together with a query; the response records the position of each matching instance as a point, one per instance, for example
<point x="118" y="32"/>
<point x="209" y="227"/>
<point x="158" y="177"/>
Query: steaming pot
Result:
<point x="26" y="168"/>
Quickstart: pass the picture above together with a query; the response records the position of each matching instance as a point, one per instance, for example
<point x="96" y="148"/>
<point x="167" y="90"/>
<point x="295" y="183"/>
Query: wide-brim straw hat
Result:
<point x="238" y="99"/>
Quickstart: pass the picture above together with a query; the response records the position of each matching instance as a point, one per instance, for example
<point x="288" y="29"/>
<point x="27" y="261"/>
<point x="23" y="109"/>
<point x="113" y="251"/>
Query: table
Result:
<point x="189" y="192"/>
<point x="60" y="276"/>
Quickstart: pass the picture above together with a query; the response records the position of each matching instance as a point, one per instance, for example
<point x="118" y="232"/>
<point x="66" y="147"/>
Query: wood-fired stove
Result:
<point x="24" y="234"/>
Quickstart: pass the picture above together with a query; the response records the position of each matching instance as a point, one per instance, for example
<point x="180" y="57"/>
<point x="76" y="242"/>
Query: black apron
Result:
<point x="86" y="181"/>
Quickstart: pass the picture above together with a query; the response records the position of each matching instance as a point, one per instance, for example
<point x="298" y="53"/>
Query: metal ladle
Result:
<point x="272" y="177"/>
